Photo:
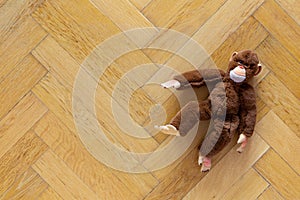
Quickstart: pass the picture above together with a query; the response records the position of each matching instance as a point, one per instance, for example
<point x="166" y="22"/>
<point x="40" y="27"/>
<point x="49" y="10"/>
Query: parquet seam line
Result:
<point x="26" y="169"/>
<point x="116" y="23"/>
<point x="43" y="189"/>
<point x="278" y="153"/>
<point x="29" y="90"/>
<point x="269" y="185"/>
<point x="271" y="35"/>
<point x="285" y="11"/>
<point x="260" y="174"/>
<point x="232" y="184"/>
<point x="271" y="72"/>
<point x="145" y="6"/>
<point x="174" y="14"/>
<point x="66" y="165"/>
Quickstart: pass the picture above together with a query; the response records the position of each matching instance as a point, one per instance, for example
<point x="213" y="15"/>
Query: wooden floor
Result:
<point x="42" y="46"/>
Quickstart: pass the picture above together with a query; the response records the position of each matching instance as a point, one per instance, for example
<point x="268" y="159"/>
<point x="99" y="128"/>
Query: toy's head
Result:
<point x="243" y="66"/>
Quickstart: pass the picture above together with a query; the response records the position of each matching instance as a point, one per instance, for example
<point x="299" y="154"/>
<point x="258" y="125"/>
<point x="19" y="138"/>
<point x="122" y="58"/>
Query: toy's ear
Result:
<point x="233" y="54"/>
<point x="258" y="70"/>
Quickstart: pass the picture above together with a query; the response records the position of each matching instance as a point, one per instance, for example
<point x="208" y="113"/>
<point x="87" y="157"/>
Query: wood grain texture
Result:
<point x="188" y="20"/>
<point x="104" y="181"/>
<point x="43" y="44"/>
<point x="167" y="8"/>
<point x="236" y="13"/>
<point x="282" y="27"/>
<point x="23" y="40"/>
<point x="17" y="122"/>
<point x="268" y="51"/>
<point x="23" y="77"/>
<point x="83" y="34"/>
<point x="28" y="186"/>
<point x="226" y="172"/>
<point x="140" y="4"/>
<point x="292" y="8"/>
<point x="49" y="193"/>
<point x="278" y="173"/>
<point x="184" y="174"/>
<point x="248" y="36"/>
<point x="132" y="18"/>
<point x="276" y="96"/>
<point x="61" y="178"/>
<point x="13" y="13"/>
<point x="18" y="160"/>
<point x="286" y="142"/>
<point x="249" y="186"/>
<point x="270" y="193"/>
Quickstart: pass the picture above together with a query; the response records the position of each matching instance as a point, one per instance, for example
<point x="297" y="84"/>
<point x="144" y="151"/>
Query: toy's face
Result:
<point x="243" y="66"/>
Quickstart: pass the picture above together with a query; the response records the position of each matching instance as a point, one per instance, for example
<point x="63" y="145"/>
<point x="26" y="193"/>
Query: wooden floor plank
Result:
<point x="188" y="20"/>
<point x="166" y="8"/>
<point x="19" y="120"/>
<point x="184" y="174"/>
<point x="43" y="45"/>
<point x="236" y="13"/>
<point x="61" y="178"/>
<point x="49" y="193"/>
<point x="13" y="13"/>
<point x="67" y="145"/>
<point x="227" y="171"/>
<point x="18" y="160"/>
<point x="132" y="18"/>
<point x="280" y="25"/>
<point x="270" y="193"/>
<point x="28" y="186"/>
<point x="249" y="186"/>
<point x="248" y="36"/>
<point x="262" y="109"/>
<point x="292" y="8"/>
<point x="61" y="81"/>
<point x="276" y="96"/>
<point x="140" y="4"/>
<point x="286" y="68"/>
<point x="19" y="82"/>
<point x="83" y="34"/>
<point x="281" y="138"/>
<point x="18" y="44"/>
<point x="279" y="174"/>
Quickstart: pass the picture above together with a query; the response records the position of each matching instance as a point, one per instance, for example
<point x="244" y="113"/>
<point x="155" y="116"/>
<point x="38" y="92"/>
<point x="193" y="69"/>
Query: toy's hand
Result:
<point x="171" y="83"/>
<point x="242" y="139"/>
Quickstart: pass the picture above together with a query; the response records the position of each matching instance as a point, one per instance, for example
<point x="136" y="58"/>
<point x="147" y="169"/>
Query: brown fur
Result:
<point x="239" y="103"/>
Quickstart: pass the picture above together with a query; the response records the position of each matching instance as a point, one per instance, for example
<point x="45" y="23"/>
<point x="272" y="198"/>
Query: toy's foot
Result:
<point x="200" y="160"/>
<point x="242" y="139"/>
<point x="171" y="83"/>
<point x="240" y="149"/>
<point x="206" y="165"/>
<point x="168" y="129"/>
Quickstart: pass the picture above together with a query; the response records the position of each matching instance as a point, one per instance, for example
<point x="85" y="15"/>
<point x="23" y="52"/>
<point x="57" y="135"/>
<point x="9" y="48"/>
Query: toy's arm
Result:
<point x="248" y="107"/>
<point x="195" y="78"/>
<point x="248" y="115"/>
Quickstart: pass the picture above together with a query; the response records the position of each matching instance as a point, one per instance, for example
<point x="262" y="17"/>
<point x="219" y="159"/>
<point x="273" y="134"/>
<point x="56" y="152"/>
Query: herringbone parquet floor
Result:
<point x="42" y="46"/>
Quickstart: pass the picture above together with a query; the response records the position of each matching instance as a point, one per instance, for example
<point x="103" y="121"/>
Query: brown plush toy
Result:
<point x="238" y="100"/>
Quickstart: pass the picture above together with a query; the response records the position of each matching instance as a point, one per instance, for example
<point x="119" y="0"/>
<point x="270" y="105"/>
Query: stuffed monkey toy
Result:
<point x="238" y="100"/>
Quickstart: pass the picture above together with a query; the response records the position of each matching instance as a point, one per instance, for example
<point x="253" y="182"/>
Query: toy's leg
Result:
<point x="243" y="141"/>
<point x="189" y="115"/>
<point x="214" y="142"/>
<point x="205" y="162"/>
